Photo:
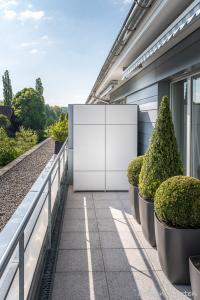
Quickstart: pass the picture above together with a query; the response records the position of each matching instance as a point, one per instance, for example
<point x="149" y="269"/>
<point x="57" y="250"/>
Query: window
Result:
<point x="185" y="102"/>
<point x="196" y="126"/>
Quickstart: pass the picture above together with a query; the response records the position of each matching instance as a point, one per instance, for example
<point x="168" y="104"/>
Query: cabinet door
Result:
<point x="89" y="181"/>
<point x="116" y="181"/>
<point x="121" y="114"/>
<point x="89" y="114"/>
<point x="89" y="147"/>
<point x="121" y="146"/>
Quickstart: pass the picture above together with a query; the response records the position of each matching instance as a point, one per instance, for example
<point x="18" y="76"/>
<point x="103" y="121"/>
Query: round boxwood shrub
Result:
<point x="134" y="169"/>
<point x="177" y="202"/>
<point x="162" y="159"/>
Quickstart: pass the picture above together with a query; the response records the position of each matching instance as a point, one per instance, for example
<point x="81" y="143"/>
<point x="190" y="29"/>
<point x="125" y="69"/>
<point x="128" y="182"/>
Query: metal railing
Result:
<point x="23" y="237"/>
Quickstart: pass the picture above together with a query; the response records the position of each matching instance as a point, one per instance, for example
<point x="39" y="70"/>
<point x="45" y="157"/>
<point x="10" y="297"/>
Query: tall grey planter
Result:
<point x="134" y="202"/>
<point x="147" y="220"/>
<point x="175" y="246"/>
<point x="195" y="276"/>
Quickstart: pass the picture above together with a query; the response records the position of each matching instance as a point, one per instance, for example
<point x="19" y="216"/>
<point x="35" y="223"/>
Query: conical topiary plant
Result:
<point x="162" y="159"/>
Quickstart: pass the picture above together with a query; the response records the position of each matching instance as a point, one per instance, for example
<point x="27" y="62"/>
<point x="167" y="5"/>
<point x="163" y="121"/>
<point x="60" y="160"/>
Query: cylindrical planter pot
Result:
<point x="147" y="220"/>
<point x="194" y="264"/>
<point x="134" y="202"/>
<point x="58" y="146"/>
<point x="175" y="246"/>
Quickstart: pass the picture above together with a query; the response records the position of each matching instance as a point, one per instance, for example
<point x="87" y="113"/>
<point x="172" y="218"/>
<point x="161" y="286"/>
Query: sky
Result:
<point x="64" y="42"/>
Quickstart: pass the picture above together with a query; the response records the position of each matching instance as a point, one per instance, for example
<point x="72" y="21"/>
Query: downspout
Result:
<point x="135" y="14"/>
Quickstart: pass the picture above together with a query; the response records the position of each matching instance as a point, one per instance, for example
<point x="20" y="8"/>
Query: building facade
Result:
<point x="157" y="53"/>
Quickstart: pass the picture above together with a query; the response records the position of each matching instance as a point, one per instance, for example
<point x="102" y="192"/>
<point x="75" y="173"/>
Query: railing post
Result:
<point x="63" y="159"/>
<point x="21" y="267"/>
<point x="49" y="211"/>
<point x="59" y="182"/>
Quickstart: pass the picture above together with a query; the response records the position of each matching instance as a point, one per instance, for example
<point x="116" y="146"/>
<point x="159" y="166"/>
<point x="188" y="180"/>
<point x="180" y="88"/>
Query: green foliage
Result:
<point x="134" y="169"/>
<point x="11" y="148"/>
<point x="53" y="113"/>
<point x="177" y="202"/>
<point x="162" y="158"/>
<point x="63" y="117"/>
<point x="29" y="109"/>
<point x="7" y="89"/>
<point x="7" y="149"/>
<point x="4" y="121"/>
<point x="24" y="140"/>
<point x="39" y="87"/>
<point x="59" y="130"/>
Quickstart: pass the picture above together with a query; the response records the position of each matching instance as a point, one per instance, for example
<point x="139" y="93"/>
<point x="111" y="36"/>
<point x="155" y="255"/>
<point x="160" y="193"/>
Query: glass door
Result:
<point x="179" y="114"/>
<point x="195" y="157"/>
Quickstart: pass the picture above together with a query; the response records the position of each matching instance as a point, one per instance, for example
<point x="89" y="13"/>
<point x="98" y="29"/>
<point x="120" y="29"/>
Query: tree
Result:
<point x="29" y="109"/>
<point x="39" y="86"/>
<point x="7" y="89"/>
<point x="162" y="159"/>
<point x="53" y="113"/>
<point x="4" y="121"/>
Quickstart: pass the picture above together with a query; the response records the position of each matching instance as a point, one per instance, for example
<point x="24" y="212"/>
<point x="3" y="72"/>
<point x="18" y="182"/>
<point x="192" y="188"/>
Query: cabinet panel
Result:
<point x="116" y="181"/>
<point x="89" y="114"/>
<point x="121" y="114"/>
<point x="89" y="147"/>
<point x="121" y="146"/>
<point x="89" y="181"/>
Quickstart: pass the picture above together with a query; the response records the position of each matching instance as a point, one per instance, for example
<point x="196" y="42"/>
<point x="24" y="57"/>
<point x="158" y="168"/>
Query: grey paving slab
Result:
<point x="149" y="286"/>
<point x="79" y="203"/>
<point x="79" y="213"/>
<point x="113" y="225"/>
<point x="80" y="286"/>
<point x="119" y="240"/>
<point x="80" y="260"/>
<point x="153" y="259"/>
<point x="105" y="195"/>
<point x="125" y="260"/>
<point x="134" y="225"/>
<point x="125" y="203"/>
<point x="134" y="285"/>
<point x="109" y="213"/>
<point x="84" y="196"/>
<point x="79" y="240"/>
<point x="122" y="285"/>
<point x="100" y="235"/>
<point x="108" y="203"/>
<point x="79" y="225"/>
<point x="123" y="195"/>
<point x="145" y="244"/>
<point x="180" y="292"/>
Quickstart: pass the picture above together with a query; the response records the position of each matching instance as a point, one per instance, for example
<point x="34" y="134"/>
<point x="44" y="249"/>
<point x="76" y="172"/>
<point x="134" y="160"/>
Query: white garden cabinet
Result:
<point x="105" y="140"/>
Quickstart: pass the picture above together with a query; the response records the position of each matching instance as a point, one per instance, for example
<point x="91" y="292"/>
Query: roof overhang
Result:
<point x="144" y="39"/>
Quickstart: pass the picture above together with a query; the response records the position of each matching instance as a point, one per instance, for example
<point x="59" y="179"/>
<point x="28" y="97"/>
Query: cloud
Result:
<point x="31" y="15"/>
<point x="44" y="37"/>
<point x="37" y="51"/>
<point x="34" y="51"/>
<point x="9" y="15"/>
<point x="127" y="1"/>
<point x="43" y="41"/>
<point x="4" y="4"/>
<point x="28" y="44"/>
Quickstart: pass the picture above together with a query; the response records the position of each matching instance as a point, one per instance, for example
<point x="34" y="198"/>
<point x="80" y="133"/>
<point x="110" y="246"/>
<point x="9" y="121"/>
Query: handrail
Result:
<point x="18" y="236"/>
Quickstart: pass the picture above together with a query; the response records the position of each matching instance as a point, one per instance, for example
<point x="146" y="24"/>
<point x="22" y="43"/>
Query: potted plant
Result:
<point x="177" y="225"/>
<point x="161" y="161"/>
<point x="194" y="265"/>
<point x="58" y="132"/>
<point x="134" y="169"/>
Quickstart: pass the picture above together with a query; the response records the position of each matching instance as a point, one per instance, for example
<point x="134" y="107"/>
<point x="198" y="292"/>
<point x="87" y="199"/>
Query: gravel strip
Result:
<point x="16" y="183"/>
